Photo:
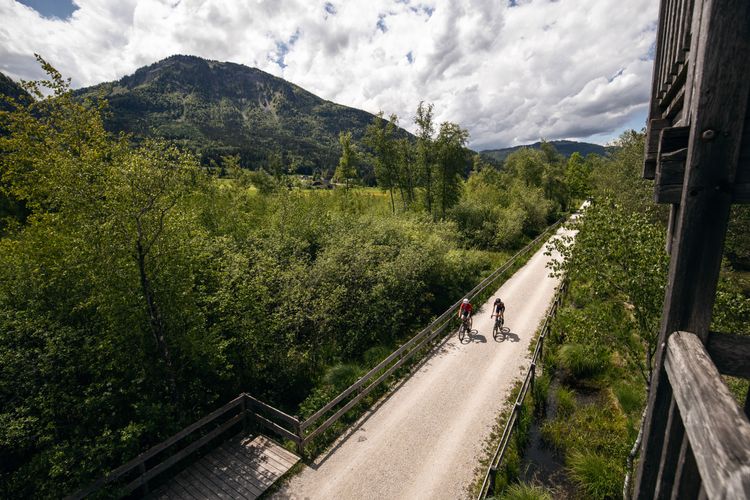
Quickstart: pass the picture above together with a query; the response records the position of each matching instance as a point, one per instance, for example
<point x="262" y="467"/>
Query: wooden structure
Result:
<point x="237" y="415"/>
<point x="697" y="439"/>
<point x="239" y="468"/>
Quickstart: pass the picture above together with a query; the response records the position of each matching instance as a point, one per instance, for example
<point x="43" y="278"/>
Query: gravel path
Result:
<point x="425" y="440"/>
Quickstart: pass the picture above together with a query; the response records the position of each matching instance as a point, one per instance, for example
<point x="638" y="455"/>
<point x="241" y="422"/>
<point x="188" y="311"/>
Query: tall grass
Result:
<point x="524" y="491"/>
<point x="597" y="476"/>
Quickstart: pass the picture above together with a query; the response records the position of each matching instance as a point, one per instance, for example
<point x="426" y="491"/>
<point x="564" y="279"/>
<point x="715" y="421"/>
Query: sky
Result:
<point x="510" y="71"/>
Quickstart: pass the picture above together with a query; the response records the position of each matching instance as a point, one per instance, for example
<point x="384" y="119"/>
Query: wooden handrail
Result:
<point x="718" y="431"/>
<point x="154" y="450"/>
<point x="243" y="400"/>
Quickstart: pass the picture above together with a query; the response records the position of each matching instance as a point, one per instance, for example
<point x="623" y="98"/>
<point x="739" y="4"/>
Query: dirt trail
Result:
<point x="425" y="440"/>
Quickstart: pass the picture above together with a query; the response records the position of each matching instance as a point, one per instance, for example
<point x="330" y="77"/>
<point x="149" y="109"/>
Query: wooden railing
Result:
<point x="488" y="484"/>
<point x="707" y="453"/>
<point x="138" y="472"/>
<point x="380" y="373"/>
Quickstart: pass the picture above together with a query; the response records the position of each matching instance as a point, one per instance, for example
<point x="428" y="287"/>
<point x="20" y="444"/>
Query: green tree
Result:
<point x="425" y="154"/>
<point x="347" y="167"/>
<point x="578" y="176"/>
<point x="407" y="171"/>
<point x="379" y="138"/>
<point x="451" y="155"/>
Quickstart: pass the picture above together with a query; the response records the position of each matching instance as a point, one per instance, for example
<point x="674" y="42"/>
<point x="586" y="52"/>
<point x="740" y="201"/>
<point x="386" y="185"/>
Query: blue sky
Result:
<point x="61" y="9"/>
<point x="511" y="72"/>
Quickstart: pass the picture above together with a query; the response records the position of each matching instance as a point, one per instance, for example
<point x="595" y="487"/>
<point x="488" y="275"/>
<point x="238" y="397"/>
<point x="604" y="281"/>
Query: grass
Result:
<point x="596" y="475"/>
<point x="581" y="362"/>
<point x="523" y="491"/>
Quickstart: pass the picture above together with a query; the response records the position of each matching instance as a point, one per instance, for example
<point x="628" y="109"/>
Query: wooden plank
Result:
<point x="730" y="353"/>
<point x="283" y="457"/>
<point x="670" y="453"/>
<point x="176" y="490"/>
<point x="653" y="134"/>
<point x="719" y="432"/>
<point x="261" y="456"/>
<point x="197" y="487"/>
<point x="240" y="470"/>
<point x="185" y="485"/>
<point x="231" y="482"/>
<point x="255" y="470"/>
<point x="718" y="93"/>
<point x="687" y="482"/>
<point x="276" y="448"/>
<point x="249" y="471"/>
<point x="208" y="478"/>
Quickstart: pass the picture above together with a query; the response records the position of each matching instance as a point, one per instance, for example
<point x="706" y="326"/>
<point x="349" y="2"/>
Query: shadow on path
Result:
<point x="507" y="335"/>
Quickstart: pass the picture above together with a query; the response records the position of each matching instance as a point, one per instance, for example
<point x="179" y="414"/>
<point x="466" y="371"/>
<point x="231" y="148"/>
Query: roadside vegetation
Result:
<point x="139" y="290"/>
<point x="604" y="338"/>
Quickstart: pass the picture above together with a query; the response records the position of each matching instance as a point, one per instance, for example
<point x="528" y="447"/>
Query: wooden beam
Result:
<point x="653" y="134"/>
<point x="730" y="353"/>
<point x="719" y="432"/>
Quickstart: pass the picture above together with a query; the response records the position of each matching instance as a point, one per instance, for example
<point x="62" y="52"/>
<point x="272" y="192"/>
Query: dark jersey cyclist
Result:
<point x="498" y="309"/>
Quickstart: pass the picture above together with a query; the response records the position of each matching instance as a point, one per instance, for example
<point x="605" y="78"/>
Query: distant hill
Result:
<point x="11" y="89"/>
<point x="220" y="108"/>
<point x="565" y="148"/>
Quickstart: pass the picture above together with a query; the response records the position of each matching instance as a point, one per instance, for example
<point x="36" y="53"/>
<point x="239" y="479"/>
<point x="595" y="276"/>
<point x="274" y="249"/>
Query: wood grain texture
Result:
<point x="240" y="468"/>
<point x="719" y="432"/>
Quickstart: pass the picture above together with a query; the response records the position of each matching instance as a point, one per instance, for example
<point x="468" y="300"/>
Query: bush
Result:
<point x="596" y="475"/>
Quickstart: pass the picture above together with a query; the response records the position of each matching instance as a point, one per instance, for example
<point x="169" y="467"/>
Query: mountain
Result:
<point x="565" y="148"/>
<point x="9" y="88"/>
<point x="220" y="108"/>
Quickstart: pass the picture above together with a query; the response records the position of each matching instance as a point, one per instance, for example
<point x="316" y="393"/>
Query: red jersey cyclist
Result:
<point x="465" y="311"/>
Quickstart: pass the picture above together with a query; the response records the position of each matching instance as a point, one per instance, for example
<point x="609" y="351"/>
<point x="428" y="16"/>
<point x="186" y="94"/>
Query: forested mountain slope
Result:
<point x="221" y="108"/>
<point x="565" y="148"/>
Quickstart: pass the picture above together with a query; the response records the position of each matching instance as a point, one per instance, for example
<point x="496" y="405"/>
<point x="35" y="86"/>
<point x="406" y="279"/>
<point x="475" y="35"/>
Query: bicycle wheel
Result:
<point x="496" y="331"/>
<point x="462" y="331"/>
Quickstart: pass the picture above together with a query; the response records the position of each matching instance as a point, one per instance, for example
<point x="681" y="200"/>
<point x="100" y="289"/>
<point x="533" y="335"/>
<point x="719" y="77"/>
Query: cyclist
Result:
<point x="498" y="309"/>
<point x="466" y="310"/>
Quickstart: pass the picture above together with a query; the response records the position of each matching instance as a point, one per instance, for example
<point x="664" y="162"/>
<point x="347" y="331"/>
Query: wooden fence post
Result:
<point x="300" y="437"/>
<point x="142" y="470"/>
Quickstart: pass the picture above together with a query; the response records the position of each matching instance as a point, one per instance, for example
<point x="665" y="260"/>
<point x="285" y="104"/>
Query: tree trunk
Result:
<point x="155" y="319"/>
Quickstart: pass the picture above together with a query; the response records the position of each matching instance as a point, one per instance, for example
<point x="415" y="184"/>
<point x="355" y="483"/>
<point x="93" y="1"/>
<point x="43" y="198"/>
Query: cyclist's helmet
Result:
<point x="466" y="301"/>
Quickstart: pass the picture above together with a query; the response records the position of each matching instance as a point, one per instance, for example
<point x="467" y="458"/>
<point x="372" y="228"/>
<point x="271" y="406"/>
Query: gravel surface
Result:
<point x="425" y="440"/>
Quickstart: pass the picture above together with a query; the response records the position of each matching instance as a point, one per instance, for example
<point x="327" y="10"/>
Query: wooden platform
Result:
<point x="240" y="468"/>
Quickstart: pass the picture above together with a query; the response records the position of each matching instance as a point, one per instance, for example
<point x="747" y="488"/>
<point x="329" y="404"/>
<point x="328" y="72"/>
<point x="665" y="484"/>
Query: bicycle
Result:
<point x="498" y="328"/>
<point x="464" y="328"/>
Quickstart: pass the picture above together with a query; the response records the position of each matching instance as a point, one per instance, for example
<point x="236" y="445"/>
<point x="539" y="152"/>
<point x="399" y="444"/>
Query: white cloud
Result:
<point x="552" y="69"/>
